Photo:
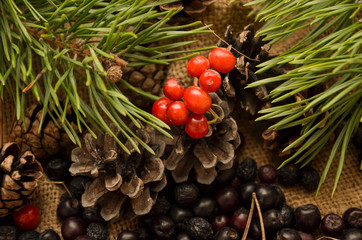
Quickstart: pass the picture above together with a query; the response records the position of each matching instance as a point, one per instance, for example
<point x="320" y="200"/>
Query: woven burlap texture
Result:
<point x="220" y="14"/>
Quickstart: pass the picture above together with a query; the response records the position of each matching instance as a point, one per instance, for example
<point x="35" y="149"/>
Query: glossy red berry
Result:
<point x="196" y="126"/>
<point x="177" y="113"/>
<point x="159" y="109"/>
<point x="222" y="60"/>
<point x="210" y="81"/>
<point x="173" y="89"/>
<point x="26" y="218"/>
<point x="197" y="100"/>
<point x="197" y="65"/>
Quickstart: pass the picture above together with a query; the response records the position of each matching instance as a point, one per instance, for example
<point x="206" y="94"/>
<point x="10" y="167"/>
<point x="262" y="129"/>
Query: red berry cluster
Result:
<point x="173" y="111"/>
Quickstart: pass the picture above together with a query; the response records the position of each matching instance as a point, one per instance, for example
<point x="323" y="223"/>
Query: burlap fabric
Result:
<point x="220" y="14"/>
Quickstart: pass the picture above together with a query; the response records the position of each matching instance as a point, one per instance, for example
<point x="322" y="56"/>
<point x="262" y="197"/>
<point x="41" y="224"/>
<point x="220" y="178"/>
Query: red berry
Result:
<point x="197" y="100"/>
<point x="26" y="218"/>
<point x="210" y="81"/>
<point x="173" y="89"/>
<point x="177" y="113"/>
<point x="196" y="126"/>
<point x="222" y="60"/>
<point x="159" y="109"/>
<point x="197" y="65"/>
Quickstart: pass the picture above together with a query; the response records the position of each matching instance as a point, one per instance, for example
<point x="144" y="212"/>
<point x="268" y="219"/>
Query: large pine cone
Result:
<point x="206" y="156"/>
<point x="119" y="177"/>
<point x="19" y="175"/>
<point x="51" y="140"/>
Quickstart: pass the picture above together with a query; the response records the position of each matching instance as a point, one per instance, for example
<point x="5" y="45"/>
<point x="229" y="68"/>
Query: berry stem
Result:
<point x="196" y="82"/>
<point x="250" y="216"/>
<point x="140" y="92"/>
<point x="216" y="117"/>
<point x="260" y="216"/>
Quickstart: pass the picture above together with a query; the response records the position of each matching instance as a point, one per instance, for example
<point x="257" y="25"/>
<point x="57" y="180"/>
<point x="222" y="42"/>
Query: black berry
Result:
<point x="307" y="218"/>
<point x="162" y="206"/>
<point x="227" y="233"/>
<point x="280" y="194"/>
<point x="246" y="192"/>
<point x="239" y="219"/>
<point x="8" y="232"/>
<point x="76" y="185"/>
<point x="267" y="174"/>
<point x="186" y="194"/>
<point x="199" y="228"/>
<point x="163" y="227"/>
<point x="220" y="222"/>
<point x="49" y="234"/>
<point x="267" y="196"/>
<point x="352" y="234"/>
<point x="247" y="170"/>
<point x="97" y="231"/>
<point x="127" y="235"/>
<point x="287" y="213"/>
<point x="72" y="228"/>
<point x="29" y="235"/>
<point x="84" y="237"/>
<point x="68" y="208"/>
<point x="332" y="224"/>
<point x="309" y="178"/>
<point x="306" y="236"/>
<point x="92" y="214"/>
<point x="227" y="199"/>
<point x="353" y="218"/>
<point x="225" y="176"/>
<point x="288" y="175"/>
<point x="287" y="234"/>
<point x="57" y="169"/>
<point x="183" y="236"/>
<point x="206" y="208"/>
<point x="179" y="214"/>
<point x="273" y="221"/>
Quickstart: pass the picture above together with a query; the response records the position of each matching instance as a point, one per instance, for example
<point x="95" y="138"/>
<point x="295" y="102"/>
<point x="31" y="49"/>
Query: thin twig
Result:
<point x="250" y="216"/>
<point x="220" y="38"/>
<point x="60" y="183"/>
<point x="260" y="217"/>
<point x="27" y="88"/>
<point x="326" y="237"/>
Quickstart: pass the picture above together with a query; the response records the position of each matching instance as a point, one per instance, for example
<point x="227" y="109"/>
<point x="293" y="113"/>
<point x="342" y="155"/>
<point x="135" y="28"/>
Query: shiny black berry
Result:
<point x="309" y="178"/>
<point x="127" y="235"/>
<point x="76" y="185"/>
<point x="186" y="194"/>
<point x="72" y="228"/>
<point x="280" y="194"/>
<point x="183" y="236"/>
<point x="206" y="208"/>
<point x="84" y="237"/>
<point x="255" y="230"/>
<point x="307" y="218"/>
<point x="69" y="208"/>
<point x="352" y="234"/>
<point x="353" y="218"/>
<point x="49" y="234"/>
<point x="92" y="214"/>
<point x="225" y="176"/>
<point x="97" y="231"/>
<point x="29" y="235"/>
<point x="180" y="216"/>
<point x="306" y="236"/>
<point x="199" y="228"/>
<point x="288" y="175"/>
<point x="8" y="232"/>
<point x="273" y="221"/>
<point x="57" y="169"/>
<point x="287" y="234"/>
<point x="267" y="174"/>
<point x="246" y="193"/>
<point x="227" y="199"/>
<point x="163" y="227"/>
<point x="287" y="213"/>
<point x="227" y="233"/>
<point x="161" y="207"/>
<point x="239" y="219"/>
<point x="332" y="224"/>
<point x="220" y="222"/>
<point x="247" y="170"/>
<point x="267" y="196"/>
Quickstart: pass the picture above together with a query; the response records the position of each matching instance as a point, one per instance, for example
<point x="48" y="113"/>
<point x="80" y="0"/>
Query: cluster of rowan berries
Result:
<point x="182" y="106"/>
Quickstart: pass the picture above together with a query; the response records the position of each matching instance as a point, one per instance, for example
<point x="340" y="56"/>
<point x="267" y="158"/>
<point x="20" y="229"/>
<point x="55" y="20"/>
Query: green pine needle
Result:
<point x="69" y="41"/>
<point x="329" y="55"/>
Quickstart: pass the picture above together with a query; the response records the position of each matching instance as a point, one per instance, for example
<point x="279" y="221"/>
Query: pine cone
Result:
<point x="118" y="177"/>
<point x="190" y="7"/>
<point x="215" y="151"/>
<point x="19" y="175"/>
<point x="50" y="141"/>
<point x="234" y="82"/>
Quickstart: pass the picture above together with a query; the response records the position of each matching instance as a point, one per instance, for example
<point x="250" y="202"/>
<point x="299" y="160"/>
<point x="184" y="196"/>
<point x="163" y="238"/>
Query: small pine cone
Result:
<point x="19" y="175"/>
<point x="117" y="176"/>
<point x="50" y="141"/>
<point x="114" y="73"/>
<point x="203" y="157"/>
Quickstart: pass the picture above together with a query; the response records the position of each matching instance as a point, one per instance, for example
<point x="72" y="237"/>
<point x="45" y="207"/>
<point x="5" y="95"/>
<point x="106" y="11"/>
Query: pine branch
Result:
<point x="52" y="48"/>
<point x="328" y="56"/>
